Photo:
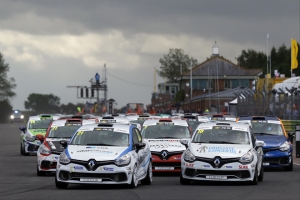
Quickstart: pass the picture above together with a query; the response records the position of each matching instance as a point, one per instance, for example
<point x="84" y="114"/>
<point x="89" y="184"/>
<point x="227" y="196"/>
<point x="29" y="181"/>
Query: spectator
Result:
<point x="97" y="77"/>
<point x="181" y="110"/>
<point x="200" y="112"/>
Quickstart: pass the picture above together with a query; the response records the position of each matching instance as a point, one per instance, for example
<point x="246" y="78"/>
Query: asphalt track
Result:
<point x="18" y="180"/>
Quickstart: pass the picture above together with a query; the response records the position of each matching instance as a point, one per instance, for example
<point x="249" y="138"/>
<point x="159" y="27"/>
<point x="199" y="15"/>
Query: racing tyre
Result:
<point x="21" y="150"/>
<point x="290" y="167"/>
<point x="60" y="185"/>
<point x="23" y="153"/>
<point x="255" y="178"/>
<point x="40" y="173"/>
<point x="134" y="181"/>
<point x="184" y="181"/>
<point x="261" y="174"/>
<point x="148" y="179"/>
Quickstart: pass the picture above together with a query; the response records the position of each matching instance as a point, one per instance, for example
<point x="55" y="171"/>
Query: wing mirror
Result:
<point x="63" y="143"/>
<point x="259" y="143"/>
<point x="139" y="146"/>
<point x="23" y="129"/>
<point x="40" y="137"/>
<point x="185" y="142"/>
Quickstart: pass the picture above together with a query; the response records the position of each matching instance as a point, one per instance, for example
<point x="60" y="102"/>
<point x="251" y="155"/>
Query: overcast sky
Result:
<point x="52" y="44"/>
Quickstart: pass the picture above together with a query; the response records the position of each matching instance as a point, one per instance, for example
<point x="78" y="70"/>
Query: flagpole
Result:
<point x="267" y="60"/>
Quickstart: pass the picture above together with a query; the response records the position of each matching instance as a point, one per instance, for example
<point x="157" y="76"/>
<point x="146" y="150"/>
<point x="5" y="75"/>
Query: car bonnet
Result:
<point x="223" y="150"/>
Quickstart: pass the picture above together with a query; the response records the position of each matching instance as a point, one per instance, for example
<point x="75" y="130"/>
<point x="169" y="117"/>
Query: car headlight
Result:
<point x="12" y="117"/>
<point x="22" y="116"/>
<point x="63" y="159"/>
<point x="189" y="156"/>
<point x="44" y="150"/>
<point x="247" y="158"/>
<point x="29" y="137"/>
<point x="124" y="160"/>
<point x="285" y="146"/>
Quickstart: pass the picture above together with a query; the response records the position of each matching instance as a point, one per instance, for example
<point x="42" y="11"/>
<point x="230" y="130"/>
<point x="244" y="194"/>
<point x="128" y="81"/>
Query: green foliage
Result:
<point x="180" y="96"/>
<point x="70" y="108"/>
<point x="6" y="111"/>
<point x="42" y="103"/>
<point x="171" y="64"/>
<point x="280" y="60"/>
<point x="6" y="84"/>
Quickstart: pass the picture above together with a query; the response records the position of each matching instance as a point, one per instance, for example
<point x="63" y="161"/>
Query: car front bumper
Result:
<point x="31" y="147"/>
<point x="172" y="164"/>
<point x="47" y="163"/>
<point x="107" y="174"/>
<point x="277" y="159"/>
<point x="229" y="172"/>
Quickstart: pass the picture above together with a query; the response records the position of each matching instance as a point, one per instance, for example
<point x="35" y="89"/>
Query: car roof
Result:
<point x="179" y="122"/>
<point x="110" y="119"/>
<point x="62" y="122"/>
<point x="117" y="127"/>
<point x="269" y="117"/>
<point x="224" y="123"/>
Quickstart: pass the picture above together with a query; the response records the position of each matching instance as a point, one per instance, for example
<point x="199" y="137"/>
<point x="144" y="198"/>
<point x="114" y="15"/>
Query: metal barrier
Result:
<point x="298" y="141"/>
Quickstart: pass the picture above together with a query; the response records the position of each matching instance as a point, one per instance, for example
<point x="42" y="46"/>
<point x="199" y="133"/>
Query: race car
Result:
<point x="225" y="151"/>
<point x="194" y="120"/>
<point x="278" y="150"/>
<point x="122" y="120"/>
<point x="163" y="136"/>
<point x="140" y="119"/>
<point x="105" y="153"/>
<point x="50" y="149"/>
<point x="221" y="117"/>
<point x="36" y="125"/>
<point x="16" y="116"/>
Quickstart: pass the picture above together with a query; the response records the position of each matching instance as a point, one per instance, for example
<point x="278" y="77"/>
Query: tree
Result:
<point x="6" y="110"/>
<point x="173" y="62"/>
<point x="252" y="59"/>
<point x="70" y="108"/>
<point x="42" y="103"/>
<point x="6" y="85"/>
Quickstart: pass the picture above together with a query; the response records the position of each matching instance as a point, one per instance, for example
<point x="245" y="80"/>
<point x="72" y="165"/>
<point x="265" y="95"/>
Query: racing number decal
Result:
<point x="54" y="128"/>
<point x="80" y="132"/>
<point x="32" y="121"/>
<point x="200" y="131"/>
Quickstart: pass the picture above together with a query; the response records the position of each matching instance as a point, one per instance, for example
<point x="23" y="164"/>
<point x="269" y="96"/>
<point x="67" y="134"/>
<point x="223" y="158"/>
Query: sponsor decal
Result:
<point x="273" y="122"/>
<point x="90" y="147"/>
<point x="95" y="151"/>
<point x="78" y="167"/>
<point x="108" y="120"/>
<point x="177" y="158"/>
<point x="222" y="127"/>
<point x="161" y="146"/>
<point x="128" y="168"/>
<point x="163" y="140"/>
<point x="189" y="164"/>
<point x="221" y="150"/>
<point x="103" y="129"/>
<point x="206" y="166"/>
<point x="102" y="147"/>
<point x="228" y="167"/>
<point x="239" y="129"/>
<point x="202" y="149"/>
<point x="108" y="169"/>
<point x="243" y="167"/>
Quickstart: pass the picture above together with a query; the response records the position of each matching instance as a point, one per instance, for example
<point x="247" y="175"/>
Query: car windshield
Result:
<point x="62" y="131"/>
<point x="221" y="135"/>
<point x="267" y="128"/>
<point x="39" y="124"/>
<point x="194" y="124"/>
<point x="165" y="130"/>
<point x="100" y="138"/>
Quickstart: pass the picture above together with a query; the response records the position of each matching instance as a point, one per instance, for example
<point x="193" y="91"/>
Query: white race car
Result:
<point x="50" y="149"/>
<point x="105" y="153"/>
<point x="163" y="136"/>
<point x="222" y="151"/>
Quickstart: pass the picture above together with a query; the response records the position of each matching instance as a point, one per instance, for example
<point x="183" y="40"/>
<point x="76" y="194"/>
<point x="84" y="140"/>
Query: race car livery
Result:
<point x="222" y="152"/>
<point x="105" y="153"/>
<point x="163" y="136"/>
<point x="36" y="125"/>
<point x="50" y="149"/>
<point x="278" y="149"/>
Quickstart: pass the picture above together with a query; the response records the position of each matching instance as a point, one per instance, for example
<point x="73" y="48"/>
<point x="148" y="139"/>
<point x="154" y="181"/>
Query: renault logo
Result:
<point x="91" y="164"/>
<point x="164" y="154"/>
<point x="217" y="162"/>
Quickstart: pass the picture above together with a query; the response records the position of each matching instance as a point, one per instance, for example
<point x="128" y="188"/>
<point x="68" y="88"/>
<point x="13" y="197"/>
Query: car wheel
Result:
<point x="148" y="179"/>
<point x="60" y="185"/>
<point x="134" y="181"/>
<point x="255" y="178"/>
<point x="184" y="181"/>
<point x="261" y="174"/>
<point x="290" y="167"/>
<point x="40" y="173"/>
<point x="21" y="150"/>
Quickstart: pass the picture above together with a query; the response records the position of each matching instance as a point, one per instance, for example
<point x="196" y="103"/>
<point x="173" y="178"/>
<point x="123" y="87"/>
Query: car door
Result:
<point x="142" y="153"/>
<point x="258" y="150"/>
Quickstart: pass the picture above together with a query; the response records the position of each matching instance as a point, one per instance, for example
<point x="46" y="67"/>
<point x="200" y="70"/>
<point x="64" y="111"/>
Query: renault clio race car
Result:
<point x="50" y="149"/>
<point x="163" y="136"/>
<point x="225" y="151"/>
<point x="278" y="150"/>
<point x="105" y="153"/>
<point x="36" y="125"/>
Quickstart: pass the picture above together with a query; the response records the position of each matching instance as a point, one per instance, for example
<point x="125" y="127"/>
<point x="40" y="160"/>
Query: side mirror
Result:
<point x="259" y="143"/>
<point x="291" y="133"/>
<point x="185" y="142"/>
<point x="291" y="138"/>
<point x="140" y="145"/>
<point x="63" y="143"/>
<point x="23" y="129"/>
<point x="40" y="137"/>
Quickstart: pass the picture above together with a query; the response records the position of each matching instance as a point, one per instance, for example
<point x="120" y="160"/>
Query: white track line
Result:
<point x="296" y="164"/>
